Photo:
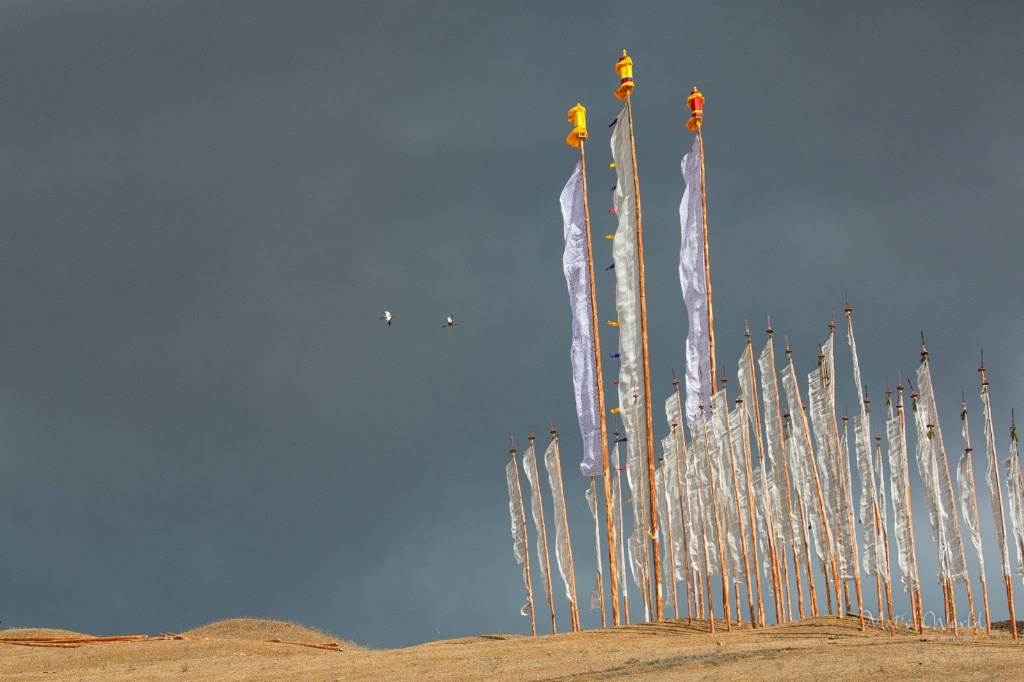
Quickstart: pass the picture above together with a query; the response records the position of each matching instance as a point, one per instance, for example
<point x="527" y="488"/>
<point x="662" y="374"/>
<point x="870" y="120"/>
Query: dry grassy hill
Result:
<point x="242" y="649"/>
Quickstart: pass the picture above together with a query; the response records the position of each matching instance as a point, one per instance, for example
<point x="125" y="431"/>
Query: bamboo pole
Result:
<point x="998" y="501"/>
<point x="853" y="540"/>
<point x="543" y="539"/>
<point x="821" y="498"/>
<point x="622" y="545"/>
<point x="885" y="539"/>
<point x="659" y="601"/>
<point x="974" y="512"/>
<point x="1009" y="601"/>
<point x="680" y="438"/>
<point x="769" y="519"/>
<point x="739" y="514"/>
<point x="644" y="507"/>
<point x="526" y="544"/>
<point x="919" y="610"/>
<point x="573" y="609"/>
<point x="613" y="576"/>
<point x="753" y="525"/>
<point x="671" y="539"/>
<point x="707" y="559"/>
<point x="752" y="513"/>
<point x="707" y="257"/>
<point x="600" y="575"/>
<point x="789" y="499"/>
<point x="718" y="529"/>
<point x="807" y="556"/>
<point x="956" y="516"/>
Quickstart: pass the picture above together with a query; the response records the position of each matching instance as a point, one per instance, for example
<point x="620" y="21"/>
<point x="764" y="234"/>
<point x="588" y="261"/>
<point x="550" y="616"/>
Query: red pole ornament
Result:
<point x="696" y="103"/>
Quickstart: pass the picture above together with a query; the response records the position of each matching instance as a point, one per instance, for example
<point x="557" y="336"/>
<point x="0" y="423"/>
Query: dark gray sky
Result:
<point x="205" y="208"/>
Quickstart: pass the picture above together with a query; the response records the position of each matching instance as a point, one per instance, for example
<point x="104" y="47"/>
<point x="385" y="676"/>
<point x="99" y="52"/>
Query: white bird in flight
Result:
<point x="450" y="322"/>
<point x="387" y="317"/>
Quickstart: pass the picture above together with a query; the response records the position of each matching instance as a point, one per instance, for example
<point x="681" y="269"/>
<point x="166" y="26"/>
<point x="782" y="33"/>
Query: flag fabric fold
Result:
<point x="1015" y="495"/>
<point x="693" y="280"/>
<point x="582" y="354"/>
<point x="625" y="253"/>
<point x="906" y="553"/>
<point x="515" y="509"/>
<point x="992" y="481"/>
<point x="562" y="550"/>
<point x="597" y="594"/>
<point x="533" y="477"/>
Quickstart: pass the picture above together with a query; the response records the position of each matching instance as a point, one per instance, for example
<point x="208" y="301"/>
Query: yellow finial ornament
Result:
<point x="696" y="103"/>
<point x="624" y="67"/>
<point x="578" y="118"/>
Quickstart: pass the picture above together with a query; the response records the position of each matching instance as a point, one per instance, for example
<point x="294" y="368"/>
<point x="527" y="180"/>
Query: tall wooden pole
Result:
<point x="526" y="544"/>
<point x="739" y="514"/>
<point x="659" y="599"/>
<point x="573" y="609"/>
<point x="707" y="258"/>
<point x="613" y="575"/>
<point x="998" y="501"/>
<point x="597" y="537"/>
<point x="821" y="498"/>
<point x="748" y="473"/>
<point x="790" y="519"/>
<point x="622" y="545"/>
<point x="974" y="513"/>
<point x="718" y="529"/>
<point x="542" y="538"/>
<point x="644" y="509"/>
<point x="916" y="593"/>
<point x="885" y="538"/>
<point x="681" y="458"/>
<point x="769" y="520"/>
<point x="853" y="535"/>
<point x="671" y="538"/>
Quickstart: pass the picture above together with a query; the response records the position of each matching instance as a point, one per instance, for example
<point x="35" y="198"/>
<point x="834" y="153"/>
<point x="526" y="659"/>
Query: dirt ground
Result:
<point x="813" y="649"/>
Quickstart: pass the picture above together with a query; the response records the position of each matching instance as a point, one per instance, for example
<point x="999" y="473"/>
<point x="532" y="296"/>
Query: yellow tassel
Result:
<point x="616" y="410"/>
<point x="611" y="165"/>
<point x="614" y="324"/>
<point x="609" y="236"/>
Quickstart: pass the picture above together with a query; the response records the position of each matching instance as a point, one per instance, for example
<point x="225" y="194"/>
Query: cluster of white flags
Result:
<point x="723" y="512"/>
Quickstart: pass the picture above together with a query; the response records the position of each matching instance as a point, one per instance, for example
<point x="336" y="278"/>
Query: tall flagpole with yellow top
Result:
<point x="696" y="104"/>
<point x="578" y="119"/>
<point x="624" y="68"/>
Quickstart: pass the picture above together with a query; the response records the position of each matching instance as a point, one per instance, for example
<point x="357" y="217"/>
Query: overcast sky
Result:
<point x="206" y="207"/>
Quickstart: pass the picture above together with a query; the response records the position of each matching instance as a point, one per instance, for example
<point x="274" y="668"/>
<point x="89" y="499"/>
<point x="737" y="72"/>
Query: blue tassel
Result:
<point x="613" y="188"/>
<point x="609" y="267"/>
<point x="613" y="122"/>
<point x="614" y="355"/>
<point x="620" y="440"/>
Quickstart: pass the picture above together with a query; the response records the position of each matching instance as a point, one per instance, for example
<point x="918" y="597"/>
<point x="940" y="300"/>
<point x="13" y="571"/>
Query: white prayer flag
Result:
<point x="584" y="367"/>
<point x="693" y="279"/>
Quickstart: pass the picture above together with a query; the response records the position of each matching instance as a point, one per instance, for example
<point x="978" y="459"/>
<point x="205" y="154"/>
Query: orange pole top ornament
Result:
<point x="624" y="67"/>
<point x="696" y="103"/>
<point x="578" y="118"/>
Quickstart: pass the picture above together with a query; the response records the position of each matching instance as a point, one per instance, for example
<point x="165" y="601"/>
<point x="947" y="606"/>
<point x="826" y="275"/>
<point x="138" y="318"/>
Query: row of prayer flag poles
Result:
<point x="819" y="495"/>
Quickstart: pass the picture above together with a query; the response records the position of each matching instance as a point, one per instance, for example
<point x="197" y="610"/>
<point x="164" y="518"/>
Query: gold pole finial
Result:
<point x="578" y="119"/>
<point x="624" y="67"/>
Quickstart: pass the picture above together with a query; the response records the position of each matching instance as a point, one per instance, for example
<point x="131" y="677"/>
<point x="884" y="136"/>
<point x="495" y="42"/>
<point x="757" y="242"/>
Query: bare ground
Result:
<point x="243" y="649"/>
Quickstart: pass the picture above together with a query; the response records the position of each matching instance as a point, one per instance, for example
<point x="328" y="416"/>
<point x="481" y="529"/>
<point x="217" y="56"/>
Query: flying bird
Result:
<point x="387" y="317"/>
<point x="450" y="322"/>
